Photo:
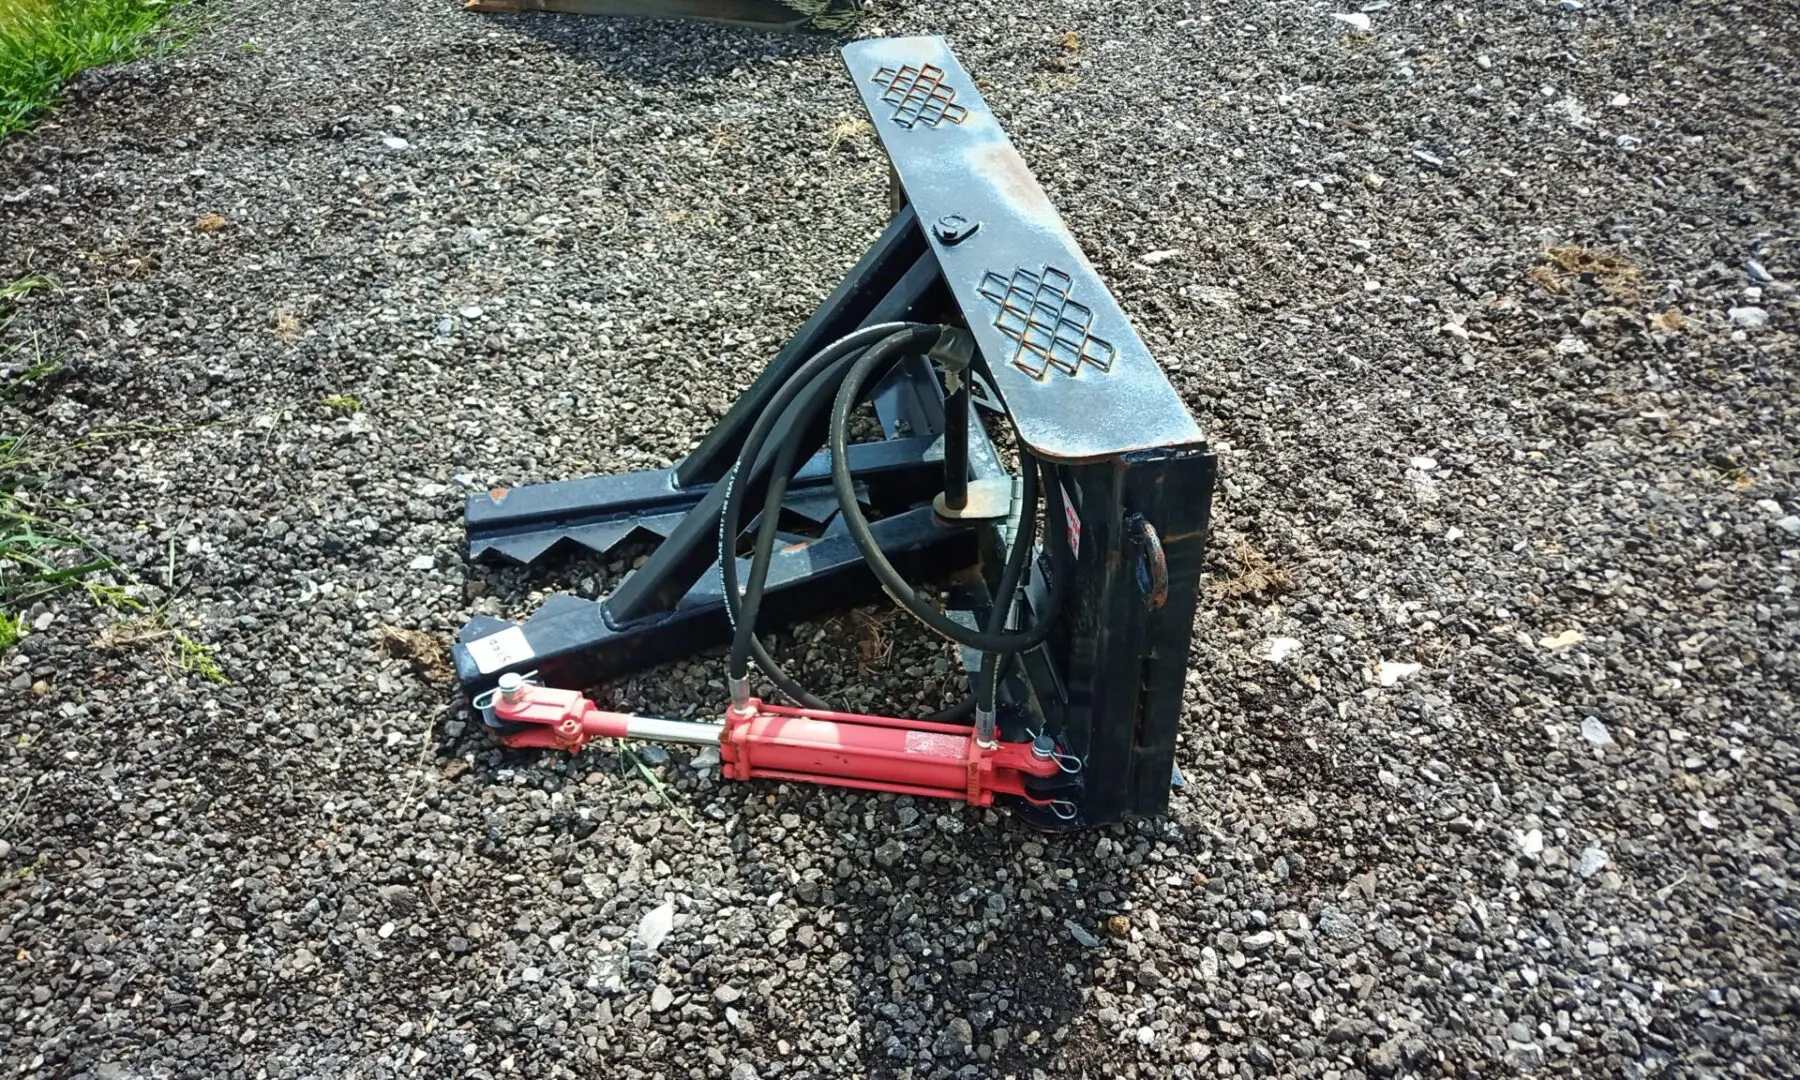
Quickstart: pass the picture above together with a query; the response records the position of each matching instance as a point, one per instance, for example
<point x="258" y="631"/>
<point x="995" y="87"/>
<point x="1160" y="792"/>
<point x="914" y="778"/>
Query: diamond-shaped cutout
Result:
<point x="1050" y="329"/>
<point x="920" y="96"/>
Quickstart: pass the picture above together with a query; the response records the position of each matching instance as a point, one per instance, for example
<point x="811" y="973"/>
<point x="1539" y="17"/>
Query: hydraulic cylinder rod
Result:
<point x="773" y="742"/>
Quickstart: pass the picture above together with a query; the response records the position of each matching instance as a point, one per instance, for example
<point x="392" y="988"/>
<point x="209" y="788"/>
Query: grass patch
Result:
<point x="344" y="404"/>
<point x="38" y="557"/>
<point x="14" y="291"/>
<point x="45" y="43"/>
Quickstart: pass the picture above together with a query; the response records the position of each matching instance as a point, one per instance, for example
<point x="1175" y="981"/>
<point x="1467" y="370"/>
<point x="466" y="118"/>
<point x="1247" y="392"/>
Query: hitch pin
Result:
<point x="1045" y="747"/>
<point x="507" y="688"/>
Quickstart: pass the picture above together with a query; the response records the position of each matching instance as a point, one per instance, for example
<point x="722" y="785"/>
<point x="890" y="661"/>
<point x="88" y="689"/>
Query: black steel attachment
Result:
<point x="974" y="242"/>
<point x="762" y="14"/>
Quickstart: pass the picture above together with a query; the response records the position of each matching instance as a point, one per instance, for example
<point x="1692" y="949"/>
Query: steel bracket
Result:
<point x="973" y="241"/>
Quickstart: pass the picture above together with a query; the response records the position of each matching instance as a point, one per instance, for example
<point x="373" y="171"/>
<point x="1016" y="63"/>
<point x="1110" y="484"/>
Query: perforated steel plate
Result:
<point x="1076" y="378"/>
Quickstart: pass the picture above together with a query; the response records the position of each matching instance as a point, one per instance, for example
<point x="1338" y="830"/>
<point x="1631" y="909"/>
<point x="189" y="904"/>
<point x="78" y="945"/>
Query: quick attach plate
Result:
<point x="1078" y="381"/>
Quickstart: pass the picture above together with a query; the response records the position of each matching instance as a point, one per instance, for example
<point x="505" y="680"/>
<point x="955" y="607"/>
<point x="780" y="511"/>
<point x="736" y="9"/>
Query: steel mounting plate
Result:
<point x="1079" y="383"/>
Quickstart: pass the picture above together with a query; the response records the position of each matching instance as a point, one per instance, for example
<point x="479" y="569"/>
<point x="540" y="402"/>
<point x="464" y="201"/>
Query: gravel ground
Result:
<point x="1491" y="722"/>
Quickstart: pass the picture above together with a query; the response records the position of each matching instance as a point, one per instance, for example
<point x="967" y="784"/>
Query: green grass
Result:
<point x="37" y="556"/>
<point x="38" y="369"/>
<point x="14" y="291"/>
<point x="337" y="403"/>
<point x="44" y="43"/>
<point x="40" y="558"/>
<point x="192" y="656"/>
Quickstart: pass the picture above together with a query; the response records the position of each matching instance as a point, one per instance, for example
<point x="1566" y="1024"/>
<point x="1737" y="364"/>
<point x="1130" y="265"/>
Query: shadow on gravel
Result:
<point x="662" y="52"/>
<point x="970" y="931"/>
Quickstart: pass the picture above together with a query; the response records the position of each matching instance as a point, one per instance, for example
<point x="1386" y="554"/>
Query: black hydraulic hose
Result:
<point x="817" y="375"/>
<point x="743" y="616"/>
<point x="783" y="468"/>
<point x="858" y="526"/>
<point x="984" y="688"/>
<point x="993" y="664"/>
<point x="747" y="610"/>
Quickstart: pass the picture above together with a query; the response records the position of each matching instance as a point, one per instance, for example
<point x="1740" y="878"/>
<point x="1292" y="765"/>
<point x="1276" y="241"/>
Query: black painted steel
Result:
<point x="1078" y="381"/>
<point x="602" y="512"/>
<point x="569" y="643"/>
<point x="1119" y="660"/>
<point x="974" y="242"/>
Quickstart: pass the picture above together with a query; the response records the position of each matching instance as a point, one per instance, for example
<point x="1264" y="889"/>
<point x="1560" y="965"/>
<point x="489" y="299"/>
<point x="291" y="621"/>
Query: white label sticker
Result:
<point x="935" y="744"/>
<point x="1074" y="517"/>
<point x="501" y="650"/>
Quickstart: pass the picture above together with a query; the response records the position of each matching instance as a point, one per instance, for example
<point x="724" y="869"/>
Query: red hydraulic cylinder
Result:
<point x="875" y="753"/>
<point x="774" y="742"/>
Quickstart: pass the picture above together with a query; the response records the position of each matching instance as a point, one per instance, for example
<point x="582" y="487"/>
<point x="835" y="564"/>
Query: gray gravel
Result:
<point x="1418" y="285"/>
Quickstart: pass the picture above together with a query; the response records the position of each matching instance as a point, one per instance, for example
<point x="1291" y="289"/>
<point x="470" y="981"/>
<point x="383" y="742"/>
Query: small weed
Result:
<point x="344" y="404"/>
<point x="37" y="369"/>
<point x="38" y="557"/>
<point x="1251" y="573"/>
<point x="287" y="324"/>
<point x="252" y="47"/>
<point x="655" y="782"/>
<point x="192" y="656"/>
<point x="18" y="289"/>
<point x="112" y="597"/>
<point x="846" y="129"/>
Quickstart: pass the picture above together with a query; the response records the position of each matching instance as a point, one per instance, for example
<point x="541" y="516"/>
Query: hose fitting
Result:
<point x="740" y="696"/>
<point x="954" y="350"/>
<point x="984" y="728"/>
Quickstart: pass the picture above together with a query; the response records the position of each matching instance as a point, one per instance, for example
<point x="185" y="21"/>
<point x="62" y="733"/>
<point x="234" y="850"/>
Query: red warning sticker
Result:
<point x="1074" y="519"/>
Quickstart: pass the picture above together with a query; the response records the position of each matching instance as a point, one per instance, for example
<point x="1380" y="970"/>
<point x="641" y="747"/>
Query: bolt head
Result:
<point x="954" y="229"/>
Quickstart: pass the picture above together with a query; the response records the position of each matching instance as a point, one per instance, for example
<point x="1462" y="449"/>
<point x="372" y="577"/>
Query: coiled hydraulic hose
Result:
<point x="840" y="366"/>
<point x="743" y="613"/>
<point x="858" y="526"/>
